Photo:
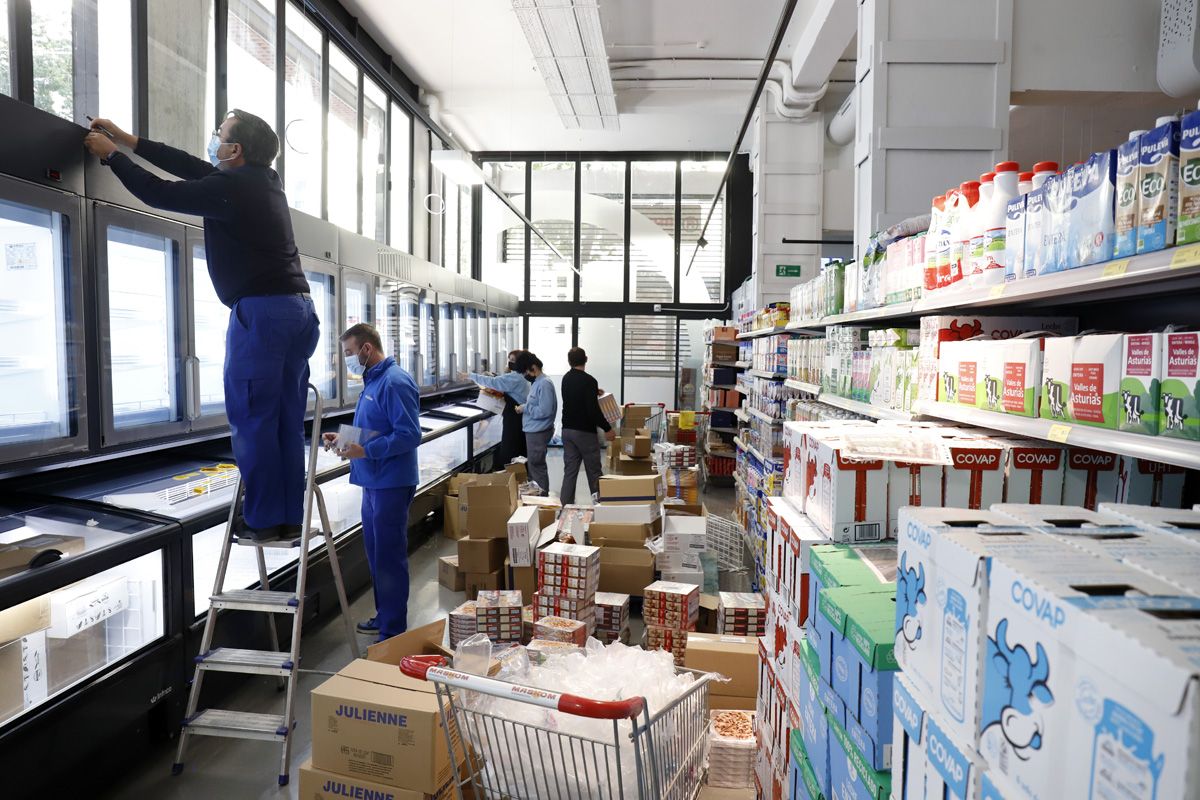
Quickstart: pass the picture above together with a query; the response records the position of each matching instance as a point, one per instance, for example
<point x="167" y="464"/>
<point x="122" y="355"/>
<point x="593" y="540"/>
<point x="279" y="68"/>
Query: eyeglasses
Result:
<point x="217" y="133"/>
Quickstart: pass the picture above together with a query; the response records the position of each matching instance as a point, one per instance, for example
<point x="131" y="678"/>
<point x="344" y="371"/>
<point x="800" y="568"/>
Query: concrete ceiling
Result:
<point x="472" y="58"/>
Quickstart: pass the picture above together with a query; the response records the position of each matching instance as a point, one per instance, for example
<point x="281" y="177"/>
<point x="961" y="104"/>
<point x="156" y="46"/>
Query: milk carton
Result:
<point x="1035" y="225"/>
<point x="989" y="394"/>
<point x="1141" y="377"/>
<point x="1055" y="220"/>
<point x="1014" y="239"/>
<point x="1125" y="223"/>
<point x="1080" y="379"/>
<point x="1020" y="374"/>
<point x="1090" y="226"/>
<point x="974" y="478"/>
<point x="1089" y="477"/>
<point x="1189" y="180"/>
<point x="1158" y="184"/>
<point x="1180" y="383"/>
<point x="1149" y="483"/>
<point x="1089" y="688"/>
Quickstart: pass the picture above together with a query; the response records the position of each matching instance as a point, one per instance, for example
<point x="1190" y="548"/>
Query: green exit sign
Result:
<point x="787" y="270"/>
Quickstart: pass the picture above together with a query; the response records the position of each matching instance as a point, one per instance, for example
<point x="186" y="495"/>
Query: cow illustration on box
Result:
<point x="991" y="388"/>
<point x="1173" y="412"/>
<point x="1056" y="398"/>
<point x="1012" y="681"/>
<point x="910" y="593"/>
<point x="1133" y="407"/>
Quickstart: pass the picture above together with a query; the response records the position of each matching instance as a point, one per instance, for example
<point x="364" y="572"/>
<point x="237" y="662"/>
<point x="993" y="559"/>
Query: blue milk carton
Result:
<point x="1158" y="186"/>
<point x="1035" y="252"/>
<point x="1093" y="194"/>
<point x="1014" y="239"/>
<point x="1125" y="221"/>
<point x="814" y="725"/>
<point x="1055" y="215"/>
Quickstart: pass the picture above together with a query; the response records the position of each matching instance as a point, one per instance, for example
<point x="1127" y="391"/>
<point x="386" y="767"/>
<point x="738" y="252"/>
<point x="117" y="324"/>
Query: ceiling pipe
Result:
<point x="841" y="125"/>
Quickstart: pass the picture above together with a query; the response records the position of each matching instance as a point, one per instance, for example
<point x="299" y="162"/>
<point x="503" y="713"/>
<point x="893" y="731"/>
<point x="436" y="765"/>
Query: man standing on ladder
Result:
<point x="384" y="464"/>
<point x="255" y="270"/>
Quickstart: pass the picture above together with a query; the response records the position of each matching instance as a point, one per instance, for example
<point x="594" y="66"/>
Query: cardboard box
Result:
<point x="24" y="678"/>
<point x="1141" y="383"/>
<point x="636" y="446"/>
<point x="630" y="489"/>
<point x="1149" y="483"/>
<point x="1181" y="523"/>
<point x="974" y="478"/>
<point x="850" y="774"/>
<point x="487" y="503"/>
<point x="929" y="762"/>
<point x="636" y="416"/>
<point x="452" y="525"/>
<point x="686" y="562"/>
<point x="523" y="530"/>
<point x="449" y="574"/>
<point x="372" y="721"/>
<point x="735" y="657"/>
<point x="15" y="558"/>
<point x="518" y="470"/>
<point x="25" y="618"/>
<point x="316" y="784"/>
<point x="425" y="640"/>
<point x="1081" y="378"/>
<point x="483" y="581"/>
<point x="627" y="513"/>
<point x="911" y="485"/>
<point x="481" y="555"/>
<point x="636" y="466"/>
<point x="724" y="702"/>
<point x="1178" y="408"/>
<point x="547" y="515"/>
<point x="626" y="570"/>
<point x="523" y="579"/>
<point x="851" y="495"/>
<point x="1089" y="477"/>
<point x="685" y="535"/>
<point x="618" y="534"/>
<point x="1033" y="471"/>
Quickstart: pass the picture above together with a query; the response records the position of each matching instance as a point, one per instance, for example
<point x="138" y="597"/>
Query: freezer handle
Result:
<point x="191" y="379"/>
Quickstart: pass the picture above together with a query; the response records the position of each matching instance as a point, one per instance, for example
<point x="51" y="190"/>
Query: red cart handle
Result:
<point x="433" y="667"/>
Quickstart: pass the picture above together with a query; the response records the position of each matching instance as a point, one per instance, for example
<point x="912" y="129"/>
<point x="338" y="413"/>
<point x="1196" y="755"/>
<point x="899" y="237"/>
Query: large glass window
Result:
<point x="342" y="146"/>
<point x="400" y="197"/>
<point x="652" y="232"/>
<point x="602" y="230"/>
<point x="53" y="57"/>
<point x="450" y="238"/>
<point x="82" y="58"/>
<point x="503" y="248"/>
<point x="251" y="57"/>
<point x="210" y="319"/>
<point x="650" y="359"/>
<point x="143" y="356"/>
<point x="5" y="70"/>
<point x="302" y="112"/>
<point x="550" y="339"/>
<point x="182" y="73"/>
<point x="691" y="361"/>
<point x="466" y="213"/>
<point x="114" y="48"/>
<point x="597" y="336"/>
<point x="322" y="365"/>
<point x="374" y="161"/>
<point x="706" y="281"/>
<point x="35" y="401"/>
<point x="553" y="212"/>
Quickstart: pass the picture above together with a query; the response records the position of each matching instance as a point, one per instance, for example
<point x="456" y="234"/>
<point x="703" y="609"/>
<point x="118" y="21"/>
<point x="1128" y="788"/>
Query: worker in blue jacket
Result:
<point x="515" y="387"/>
<point x="538" y="414"/>
<point x="384" y="464"/>
<point x="255" y="270"/>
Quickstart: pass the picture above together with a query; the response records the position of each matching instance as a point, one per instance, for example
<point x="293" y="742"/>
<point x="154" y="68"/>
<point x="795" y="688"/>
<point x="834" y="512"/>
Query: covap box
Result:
<point x="371" y="721"/>
<point x="1178" y="408"/>
<point x="1089" y="477"/>
<point x="817" y="700"/>
<point x="1081" y="377"/>
<point x="1141" y="383"/>
<point x="1149" y="483"/>
<point x="1033" y="471"/>
<point x="912" y="485"/>
<point x="930" y="763"/>
<point x="1181" y="523"/>
<point x="850" y="775"/>
<point x="1090" y="685"/>
<point x="835" y="565"/>
<point x="974" y="478"/>
<point x="524" y="526"/>
<point x="850" y="496"/>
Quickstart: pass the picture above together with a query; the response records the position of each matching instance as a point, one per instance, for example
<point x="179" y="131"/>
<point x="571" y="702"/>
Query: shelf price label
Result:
<point x="1115" y="269"/>
<point x="1186" y="256"/>
<point x="997" y="291"/>
<point x="1059" y="433"/>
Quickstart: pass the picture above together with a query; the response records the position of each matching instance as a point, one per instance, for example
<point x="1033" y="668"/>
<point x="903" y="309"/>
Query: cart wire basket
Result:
<point x="496" y="757"/>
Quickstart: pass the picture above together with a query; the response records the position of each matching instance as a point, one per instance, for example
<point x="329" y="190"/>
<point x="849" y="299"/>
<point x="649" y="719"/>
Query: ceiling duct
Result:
<point x="568" y="48"/>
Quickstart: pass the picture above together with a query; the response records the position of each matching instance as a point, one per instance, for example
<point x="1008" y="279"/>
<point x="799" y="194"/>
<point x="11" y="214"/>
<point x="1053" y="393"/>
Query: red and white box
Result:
<point x="850" y="502"/>
<point x="671" y="604"/>
<point x="1089" y="477"/>
<point x="741" y="613"/>
<point x="612" y="610"/>
<point x="553" y="605"/>
<point x="561" y="629"/>
<point x="498" y="615"/>
<point x="1033" y="471"/>
<point x="974" y="478"/>
<point x="667" y="638"/>
<point x="1149" y="483"/>
<point x="569" y="570"/>
<point x="911" y="485"/>
<point x="462" y="623"/>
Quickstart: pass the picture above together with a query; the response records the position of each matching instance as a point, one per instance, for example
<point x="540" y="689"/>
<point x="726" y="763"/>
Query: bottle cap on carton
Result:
<point x="1025" y="176"/>
<point x="987" y="177"/>
<point x="1163" y="120"/>
<point x="1008" y="166"/>
<point x="1046" y="166"/>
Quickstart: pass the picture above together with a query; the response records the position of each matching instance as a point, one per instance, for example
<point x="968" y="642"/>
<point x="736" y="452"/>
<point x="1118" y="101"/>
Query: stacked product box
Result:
<point x="741" y="614"/>
<point x="770" y="353"/>
<point x="670" y="610"/>
<point x="568" y="579"/>
<point x="462" y="623"/>
<point x="561" y="629"/>
<point x="731" y="749"/>
<point x="612" y="617"/>
<point x="684" y="540"/>
<point x="498" y="615"/>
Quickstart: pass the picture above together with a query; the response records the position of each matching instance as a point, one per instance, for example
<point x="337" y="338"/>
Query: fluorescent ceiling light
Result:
<point x="458" y="167"/>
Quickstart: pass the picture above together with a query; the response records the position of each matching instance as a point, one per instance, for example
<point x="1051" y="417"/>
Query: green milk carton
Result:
<point x="1180" y="383"/>
<point x="1141" y="379"/>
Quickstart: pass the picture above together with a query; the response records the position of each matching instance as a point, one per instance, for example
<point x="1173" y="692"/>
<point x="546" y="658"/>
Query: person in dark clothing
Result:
<point x="581" y="416"/>
<point x="255" y="269"/>
<point x="512" y="437"/>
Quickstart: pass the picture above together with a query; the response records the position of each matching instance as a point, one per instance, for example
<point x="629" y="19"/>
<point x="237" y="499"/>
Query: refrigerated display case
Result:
<point x="445" y="342"/>
<point x="497" y="356"/>
<point x="323" y="365"/>
<point x="358" y="291"/>
<point x="438" y="457"/>
<point x="458" y="350"/>
<point x="42" y="409"/>
<point x="210" y="320"/>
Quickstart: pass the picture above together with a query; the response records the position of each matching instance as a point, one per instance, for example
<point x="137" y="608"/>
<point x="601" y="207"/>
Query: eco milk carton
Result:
<point x="1158" y="185"/>
<point x="1080" y="379"/>
<point x="1141" y="377"/>
<point x="1035" y="247"/>
<point x="1014" y="239"/>
<point x="1089" y="689"/>
<point x="1189" y="180"/>
<point x="1180" y="383"/>
<point x="1090" y="224"/>
<point x="1125" y="222"/>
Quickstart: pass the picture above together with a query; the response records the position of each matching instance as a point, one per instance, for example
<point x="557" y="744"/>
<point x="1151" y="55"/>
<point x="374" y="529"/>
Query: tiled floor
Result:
<point x="237" y="769"/>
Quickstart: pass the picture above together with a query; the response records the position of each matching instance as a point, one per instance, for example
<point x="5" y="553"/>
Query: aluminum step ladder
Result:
<point x="284" y="664"/>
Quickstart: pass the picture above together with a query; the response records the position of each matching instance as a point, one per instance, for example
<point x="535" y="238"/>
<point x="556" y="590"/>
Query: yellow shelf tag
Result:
<point x="1059" y="433"/>
<point x="997" y="291"/>
<point x="1186" y="256"/>
<point x="1115" y="269"/>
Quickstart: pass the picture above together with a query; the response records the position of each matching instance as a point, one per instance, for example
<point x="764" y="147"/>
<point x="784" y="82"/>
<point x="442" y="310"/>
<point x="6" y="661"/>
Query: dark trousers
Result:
<point x="267" y="347"/>
<point x="385" y="534"/>
<point x="512" y="438"/>
<point x="579" y="447"/>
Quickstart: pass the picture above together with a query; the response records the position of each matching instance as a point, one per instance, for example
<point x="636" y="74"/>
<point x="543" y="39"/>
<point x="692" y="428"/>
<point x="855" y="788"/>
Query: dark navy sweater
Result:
<point x="248" y="239"/>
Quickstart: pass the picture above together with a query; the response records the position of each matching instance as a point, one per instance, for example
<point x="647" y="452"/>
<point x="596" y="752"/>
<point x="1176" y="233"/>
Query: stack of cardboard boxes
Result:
<point x="568" y="579"/>
<point x="670" y="610"/>
<point x="630" y="453"/>
<point x="612" y="617"/>
<point x="629" y="513"/>
<point x="486" y="504"/>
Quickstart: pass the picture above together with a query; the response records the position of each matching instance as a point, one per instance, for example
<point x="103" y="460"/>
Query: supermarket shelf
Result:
<point x="739" y="444"/>
<point x="742" y="415"/>
<point x="802" y="325"/>
<point x="762" y="373"/>
<point x="767" y="418"/>
<point x="866" y="409"/>
<point x="1179" y="452"/>
<point x="883" y="312"/>
<point x="732" y="387"/>
<point x="763" y="332"/>
<point x="742" y="364"/>
<point x="754" y="451"/>
<point x="721" y="430"/>
<point x="811" y="388"/>
<point x="732" y="409"/>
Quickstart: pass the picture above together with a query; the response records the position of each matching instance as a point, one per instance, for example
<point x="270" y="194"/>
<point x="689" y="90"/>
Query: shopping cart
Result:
<point x="496" y="757"/>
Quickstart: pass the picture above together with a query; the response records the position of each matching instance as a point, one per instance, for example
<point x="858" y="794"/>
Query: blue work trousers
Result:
<point x="385" y="534"/>
<point x="267" y="347"/>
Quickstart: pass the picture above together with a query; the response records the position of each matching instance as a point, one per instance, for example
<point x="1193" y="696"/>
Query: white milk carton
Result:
<point x="989" y="393"/>
<point x="974" y="478"/>
<point x="1180" y="386"/>
<point x="1020" y="374"/>
<point x="1158" y="184"/>
<point x="1089" y="477"/>
<point x="942" y="597"/>
<point x="917" y="485"/>
<point x="1014" y="239"/>
<point x="1036" y="217"/>
<point x="1081" y="376"/>
<point x="1033" y="471"/>
<point x="851" y="503"/>
<point x="1189" y="180"/>
<point x="1055" y="221"/>
<point x="949" y="379"/>
<point x="928" y="761"/>
<point x="1149" y="483"/>
<point x="1183" y="524"/>
<point x="1141" y="383"/>
<point x="1089" y="687"/>
<point x="1090" y="227"/>
<point x="1125" y="223"/>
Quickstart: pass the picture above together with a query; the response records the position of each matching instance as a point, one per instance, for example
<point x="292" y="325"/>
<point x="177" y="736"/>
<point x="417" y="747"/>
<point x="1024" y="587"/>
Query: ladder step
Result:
<point x="238" y="725"/>
<point x="282" y="544"/>
<point x="256" y="600"/>
<point x="250" y="662"/>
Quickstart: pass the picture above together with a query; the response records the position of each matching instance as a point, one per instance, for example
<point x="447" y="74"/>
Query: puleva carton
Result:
<point x="1090" y="686"/>
<point x="1158" y="185"/>
<point x="1189" y="180"/>
<point x="1089" y="477"/>
<point x="1090" y="230"/>
<point x="1179" y="411"/>
<point x="1141" y="379"/>
<point x="1127" y="205"/>
<point x="1081" y="376"/>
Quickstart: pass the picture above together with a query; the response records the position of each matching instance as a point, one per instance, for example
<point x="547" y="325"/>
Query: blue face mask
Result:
<point x="214" y="144"/>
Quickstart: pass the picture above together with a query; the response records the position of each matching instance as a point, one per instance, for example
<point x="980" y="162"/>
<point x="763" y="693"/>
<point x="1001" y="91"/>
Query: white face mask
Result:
<point x="355" y="367"/>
